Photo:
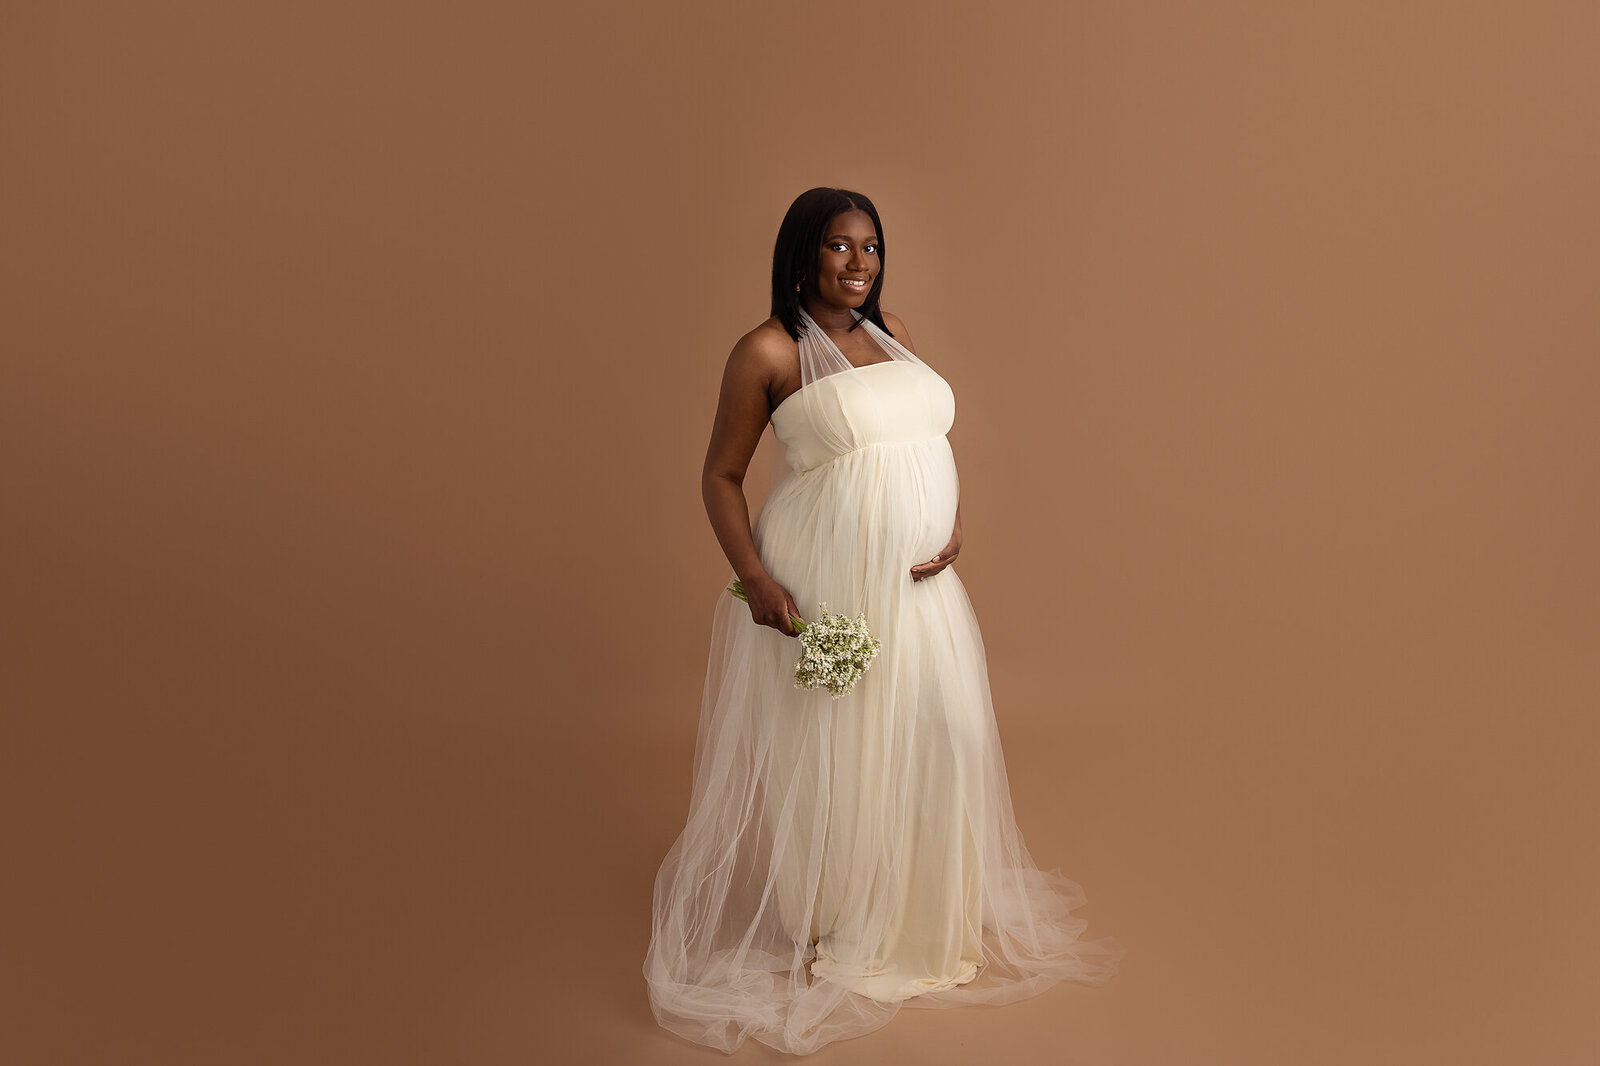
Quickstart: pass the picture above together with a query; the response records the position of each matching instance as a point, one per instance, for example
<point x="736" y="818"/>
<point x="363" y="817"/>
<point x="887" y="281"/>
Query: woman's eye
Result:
<point x="873" y="248"/>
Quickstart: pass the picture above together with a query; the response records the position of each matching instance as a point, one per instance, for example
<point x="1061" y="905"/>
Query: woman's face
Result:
<point x="847" y="264"/>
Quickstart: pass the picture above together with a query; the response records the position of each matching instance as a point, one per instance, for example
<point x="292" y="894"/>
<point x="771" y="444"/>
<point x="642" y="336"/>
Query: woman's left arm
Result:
<point x="948" y="553"/>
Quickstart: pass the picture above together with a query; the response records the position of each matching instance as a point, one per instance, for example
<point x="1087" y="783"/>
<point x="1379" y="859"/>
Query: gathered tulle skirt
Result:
<point x="842" y="858"/>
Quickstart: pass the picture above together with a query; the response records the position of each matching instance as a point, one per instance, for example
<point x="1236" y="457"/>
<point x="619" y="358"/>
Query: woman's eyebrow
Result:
<point x="841" y="237"/>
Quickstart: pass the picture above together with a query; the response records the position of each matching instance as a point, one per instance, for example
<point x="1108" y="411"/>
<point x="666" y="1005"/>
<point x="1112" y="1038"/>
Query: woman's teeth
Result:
<point x="851" y="283"/>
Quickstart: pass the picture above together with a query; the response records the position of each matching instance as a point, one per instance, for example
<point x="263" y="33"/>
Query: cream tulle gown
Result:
<point x="843" y="858"/>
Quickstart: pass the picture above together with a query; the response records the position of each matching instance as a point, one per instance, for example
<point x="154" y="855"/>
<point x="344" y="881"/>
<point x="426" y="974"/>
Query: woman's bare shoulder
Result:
<point x="898" y="328"/>
<point x="763" y="363"/>
<point x="768" y="349"/>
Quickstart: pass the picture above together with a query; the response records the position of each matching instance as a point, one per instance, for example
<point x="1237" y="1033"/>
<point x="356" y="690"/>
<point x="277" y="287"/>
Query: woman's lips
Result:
<point x="856" y="284"/>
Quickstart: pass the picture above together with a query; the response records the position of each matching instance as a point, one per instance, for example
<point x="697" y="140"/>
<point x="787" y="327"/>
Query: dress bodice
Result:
<point x="895" y="401"/>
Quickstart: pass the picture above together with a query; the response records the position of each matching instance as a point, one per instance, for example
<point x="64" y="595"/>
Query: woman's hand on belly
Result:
<point x="946" y="556"/>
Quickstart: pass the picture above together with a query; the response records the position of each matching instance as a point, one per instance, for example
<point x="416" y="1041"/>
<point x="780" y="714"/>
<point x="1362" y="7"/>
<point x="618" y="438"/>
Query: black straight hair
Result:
<point x="799" y="249"/>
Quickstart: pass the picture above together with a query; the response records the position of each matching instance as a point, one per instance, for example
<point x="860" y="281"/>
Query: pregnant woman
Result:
<point x="844" y="857"/>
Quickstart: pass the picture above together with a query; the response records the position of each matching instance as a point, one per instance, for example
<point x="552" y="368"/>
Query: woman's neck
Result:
<point x="832" y="319"/>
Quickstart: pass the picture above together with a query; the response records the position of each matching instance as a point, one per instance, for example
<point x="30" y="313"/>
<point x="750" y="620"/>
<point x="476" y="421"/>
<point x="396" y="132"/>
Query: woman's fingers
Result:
<point x="932" y="566"/>
<point x="780" y="619"/>
<point x="768" y="613"/>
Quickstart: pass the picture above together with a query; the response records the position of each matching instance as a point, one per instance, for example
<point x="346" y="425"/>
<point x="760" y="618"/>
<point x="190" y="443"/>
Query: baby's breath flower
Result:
<point x="835" y="650"/>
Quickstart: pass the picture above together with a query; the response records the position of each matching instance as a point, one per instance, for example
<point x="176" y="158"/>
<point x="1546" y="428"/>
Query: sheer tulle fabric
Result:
<point x="844" y="858"/>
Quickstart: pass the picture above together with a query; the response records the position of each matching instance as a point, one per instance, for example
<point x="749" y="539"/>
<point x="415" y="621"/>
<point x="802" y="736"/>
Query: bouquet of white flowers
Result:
<point x="835" y="650"/>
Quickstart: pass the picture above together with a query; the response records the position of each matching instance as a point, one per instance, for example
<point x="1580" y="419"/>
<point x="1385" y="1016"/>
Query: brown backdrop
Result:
<point x="359" y="362"/>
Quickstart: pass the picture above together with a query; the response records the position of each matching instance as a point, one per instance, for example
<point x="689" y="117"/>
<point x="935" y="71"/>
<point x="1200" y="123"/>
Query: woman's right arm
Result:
<point x="742" y="414"/>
